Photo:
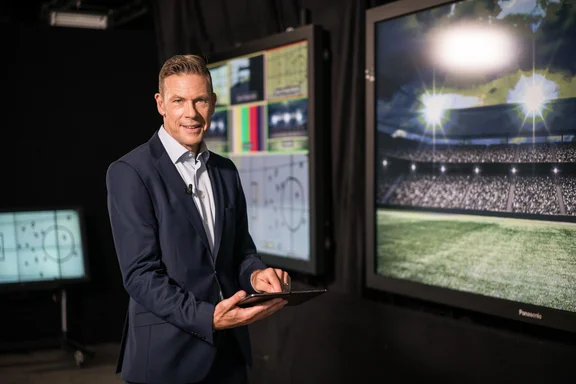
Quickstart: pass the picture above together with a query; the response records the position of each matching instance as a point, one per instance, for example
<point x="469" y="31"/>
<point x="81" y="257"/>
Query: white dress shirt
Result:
<point x="192" y="168"/>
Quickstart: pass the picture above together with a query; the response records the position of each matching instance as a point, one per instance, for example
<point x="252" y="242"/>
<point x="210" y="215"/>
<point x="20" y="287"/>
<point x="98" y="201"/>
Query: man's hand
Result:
<point x="270" y="280"/>
<point x="228" y="315"/>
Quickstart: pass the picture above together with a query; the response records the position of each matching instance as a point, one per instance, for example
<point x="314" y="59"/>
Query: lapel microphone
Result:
<point x="190" y="189"/>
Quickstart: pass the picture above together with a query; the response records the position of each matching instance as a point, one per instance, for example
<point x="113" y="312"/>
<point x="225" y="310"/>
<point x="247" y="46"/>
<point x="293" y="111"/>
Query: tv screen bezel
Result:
<point x="317" y="152"/>
<point x="501" y="308"/>
<point x="47" y="285"/>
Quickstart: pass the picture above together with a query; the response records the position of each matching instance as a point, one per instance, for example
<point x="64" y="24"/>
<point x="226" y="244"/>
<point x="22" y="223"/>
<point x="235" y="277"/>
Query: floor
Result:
<point x="57" y="366"/>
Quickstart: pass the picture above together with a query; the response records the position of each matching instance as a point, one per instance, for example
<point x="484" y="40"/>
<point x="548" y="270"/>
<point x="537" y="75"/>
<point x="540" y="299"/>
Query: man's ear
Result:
<point x="160" y="104"/>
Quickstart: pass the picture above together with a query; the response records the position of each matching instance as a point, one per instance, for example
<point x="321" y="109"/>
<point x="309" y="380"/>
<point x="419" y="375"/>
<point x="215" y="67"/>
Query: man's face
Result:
<point x="187" y="105"/>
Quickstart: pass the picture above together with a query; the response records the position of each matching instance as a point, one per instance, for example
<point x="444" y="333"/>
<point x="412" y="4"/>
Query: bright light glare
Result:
<point x="413" y="167"/>
<point x="555" y="170"/>
<point x="513" y="170"/>
<point x="443" y="169"/>
<point x="533" y="93"/>
<point x="472" y="48"/>
<point x="534" y="98"/>
<point x="434" y="107"/>
<point x="385" y="163"/>
<point x="299" y="116"/>
<point x="477" y="170"/>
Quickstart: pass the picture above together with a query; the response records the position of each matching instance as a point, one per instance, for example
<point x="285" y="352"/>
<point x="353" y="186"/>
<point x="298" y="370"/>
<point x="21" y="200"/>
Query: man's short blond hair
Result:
<point x="183" y="65"/>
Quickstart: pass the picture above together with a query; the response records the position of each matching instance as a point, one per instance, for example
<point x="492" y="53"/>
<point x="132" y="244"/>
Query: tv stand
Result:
<point x="80" y="351"/>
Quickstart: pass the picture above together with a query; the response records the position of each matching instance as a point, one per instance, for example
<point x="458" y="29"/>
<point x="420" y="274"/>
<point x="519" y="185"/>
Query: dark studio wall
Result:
<point x="83" y="98"/>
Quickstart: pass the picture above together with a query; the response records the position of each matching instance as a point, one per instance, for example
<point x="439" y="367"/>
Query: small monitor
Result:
<point x="42" y="246"/>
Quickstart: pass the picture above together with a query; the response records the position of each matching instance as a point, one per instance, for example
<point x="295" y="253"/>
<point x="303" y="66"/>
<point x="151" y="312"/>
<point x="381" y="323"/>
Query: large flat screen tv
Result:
<point x="471" y="132"/>
<point x="42" y="248"/>
<point x="269" y="121"/>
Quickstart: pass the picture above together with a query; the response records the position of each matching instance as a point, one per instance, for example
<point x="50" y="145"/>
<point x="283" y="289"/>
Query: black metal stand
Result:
<point x="80" y="351"/>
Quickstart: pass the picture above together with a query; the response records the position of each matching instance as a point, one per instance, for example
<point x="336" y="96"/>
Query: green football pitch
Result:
<point x="527" y="261"/>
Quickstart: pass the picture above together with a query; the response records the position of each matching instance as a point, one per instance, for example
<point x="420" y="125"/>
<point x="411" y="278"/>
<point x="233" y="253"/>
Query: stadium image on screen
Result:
<point x="217" y="134"/>
<point x="39" y="246"/>
<point x="267" y="138"/>
<point x="287" y="125"/>
<point x="476" y="149"/>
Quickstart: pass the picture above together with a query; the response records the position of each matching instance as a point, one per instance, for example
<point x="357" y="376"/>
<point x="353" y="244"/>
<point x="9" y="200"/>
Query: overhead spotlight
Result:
<point x="476" y="170"/>
<point x="74" y="19"/>
<point x="443" y="169"/>
<point x="413" y="167"/>
<point x="514" y="170"/>
<point x="555" y="170"/>
<point x="385" y="163"/>
<point x="74" y="14"/>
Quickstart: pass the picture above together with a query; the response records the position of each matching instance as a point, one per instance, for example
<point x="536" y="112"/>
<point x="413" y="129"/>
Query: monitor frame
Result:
<point x="48" y="285"/>
<point x="492" y="306"/>
<point x="318" y="151"/>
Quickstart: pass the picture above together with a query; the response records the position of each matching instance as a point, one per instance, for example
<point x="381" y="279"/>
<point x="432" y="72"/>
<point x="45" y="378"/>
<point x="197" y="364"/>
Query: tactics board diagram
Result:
<point x="40" y="246"/>
<point x="277" y="195"/>
<point x="287" y="71"/>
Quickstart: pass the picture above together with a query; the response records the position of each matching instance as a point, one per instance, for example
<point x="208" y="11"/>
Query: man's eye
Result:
<point x="177" y="101"/>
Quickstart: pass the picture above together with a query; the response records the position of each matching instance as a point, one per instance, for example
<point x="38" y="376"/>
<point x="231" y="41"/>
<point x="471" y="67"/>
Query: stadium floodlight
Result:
<point x="533" y="93"/>
<point x="434" y="109"/>
<point x="413" y="167"/>
<point x="473" y="48"/>
<point x="534" y="99"/>
<point x="385" y="163"/>
<point x="476" y="170"/>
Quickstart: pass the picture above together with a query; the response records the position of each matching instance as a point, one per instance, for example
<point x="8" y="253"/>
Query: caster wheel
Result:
<point x="79" y="358"/>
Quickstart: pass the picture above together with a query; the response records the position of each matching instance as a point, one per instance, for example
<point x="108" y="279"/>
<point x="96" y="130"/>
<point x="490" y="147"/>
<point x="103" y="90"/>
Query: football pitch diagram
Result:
<point x="39" y="246"/>
<point x="287" y="71"/>
<point x="276" y="188"/>
<point x="531" y="261"/>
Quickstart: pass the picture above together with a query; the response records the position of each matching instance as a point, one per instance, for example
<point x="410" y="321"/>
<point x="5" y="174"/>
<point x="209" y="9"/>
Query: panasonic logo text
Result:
<point x="530" y="314"/>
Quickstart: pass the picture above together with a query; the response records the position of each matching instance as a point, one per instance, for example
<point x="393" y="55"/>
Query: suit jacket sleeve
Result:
<point x="244" y="248"/>
<point x="135" y="232"/>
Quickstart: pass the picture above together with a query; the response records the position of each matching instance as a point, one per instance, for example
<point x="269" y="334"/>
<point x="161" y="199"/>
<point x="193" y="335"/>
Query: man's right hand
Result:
<point x="228" y="315"/>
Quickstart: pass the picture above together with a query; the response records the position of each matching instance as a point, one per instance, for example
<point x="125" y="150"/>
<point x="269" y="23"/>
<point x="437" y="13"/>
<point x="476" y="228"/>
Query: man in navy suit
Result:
<point x="179" y="222"/>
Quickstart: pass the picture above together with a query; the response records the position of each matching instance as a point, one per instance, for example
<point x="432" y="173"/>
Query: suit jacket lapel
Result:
<point x="176" y="185"/>
<point x="218" y="193"/>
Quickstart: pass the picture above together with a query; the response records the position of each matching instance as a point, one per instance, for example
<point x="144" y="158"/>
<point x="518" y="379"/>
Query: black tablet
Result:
<point x="293" y="297"/>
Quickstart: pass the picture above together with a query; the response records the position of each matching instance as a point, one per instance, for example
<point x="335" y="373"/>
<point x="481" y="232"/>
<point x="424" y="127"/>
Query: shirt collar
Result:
<point x="177" y="152"/>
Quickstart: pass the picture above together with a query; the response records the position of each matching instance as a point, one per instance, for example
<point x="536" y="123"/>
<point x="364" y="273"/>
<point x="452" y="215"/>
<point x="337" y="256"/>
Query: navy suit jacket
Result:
<point x="168" y="270"/>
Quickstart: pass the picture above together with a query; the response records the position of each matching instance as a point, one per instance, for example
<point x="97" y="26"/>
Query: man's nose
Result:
<point x="190" y="109"/>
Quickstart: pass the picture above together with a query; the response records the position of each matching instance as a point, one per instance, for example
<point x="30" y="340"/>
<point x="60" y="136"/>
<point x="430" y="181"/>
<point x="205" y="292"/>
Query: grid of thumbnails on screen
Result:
<point x="40" y="246"/>
<point x="260" y="123"/>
